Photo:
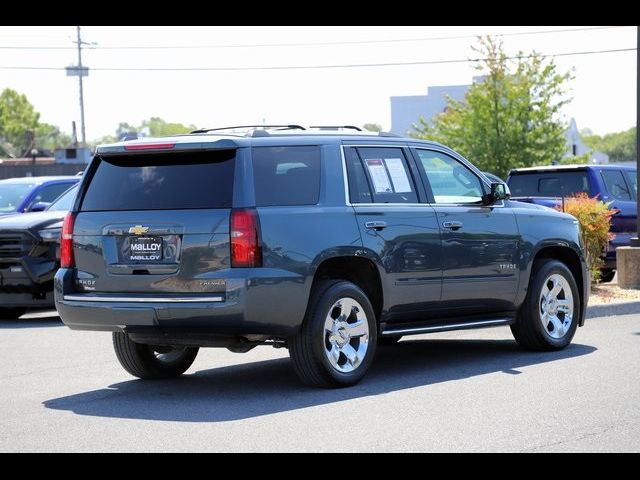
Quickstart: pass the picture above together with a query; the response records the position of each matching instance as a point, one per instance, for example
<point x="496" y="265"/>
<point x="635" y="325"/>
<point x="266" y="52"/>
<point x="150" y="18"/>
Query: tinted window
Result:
<point x="65" y="202"/>
<point x="162" y="182"/>
<point x="615" y="184"/>
<point x="359" y="189"/>
<point x="12" y="195"/>
<point x="286" y="175"/>
<point x="632" y="181"/>
<point x="451" y="182"/>
<point x="549" y="184"/>
<point x="388" y="175"/>
<point x="50" y="193"/>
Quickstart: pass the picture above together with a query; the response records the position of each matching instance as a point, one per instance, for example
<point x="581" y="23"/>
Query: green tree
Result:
<point x="157" y="127"/>
<point x="372" y="127"/>
<point x="153" y="127"/>
<point x="509" y="119"/>
<point x="49" y="137"/>
<point x="620" y="146"/>
<point x="123" y="128"/>
<point x="18" y="122"/>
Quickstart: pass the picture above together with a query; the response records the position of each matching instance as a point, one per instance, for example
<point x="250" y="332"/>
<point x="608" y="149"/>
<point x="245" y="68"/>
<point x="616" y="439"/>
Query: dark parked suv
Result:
<point x="328" y="243"/>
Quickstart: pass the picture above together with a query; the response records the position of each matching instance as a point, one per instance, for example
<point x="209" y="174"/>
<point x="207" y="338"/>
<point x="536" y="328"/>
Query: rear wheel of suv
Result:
<point x="150" y="362"/>
<point x="11" y="313"/>
<point x="549" y="316"/>
<point x="337" y="341"/>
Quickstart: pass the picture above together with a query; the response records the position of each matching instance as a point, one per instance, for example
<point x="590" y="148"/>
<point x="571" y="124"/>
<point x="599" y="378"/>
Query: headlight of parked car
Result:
<point x="50" y="235"/>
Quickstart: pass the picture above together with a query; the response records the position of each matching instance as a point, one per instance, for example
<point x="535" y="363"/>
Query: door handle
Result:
<point x="452" y="225"/>
<point x="377" y="226"/>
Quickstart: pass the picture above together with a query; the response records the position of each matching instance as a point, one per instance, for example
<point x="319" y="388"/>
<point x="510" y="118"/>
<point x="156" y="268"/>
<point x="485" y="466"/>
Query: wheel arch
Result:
<point x="574" y="262"/>
<point x="359" y="270"/>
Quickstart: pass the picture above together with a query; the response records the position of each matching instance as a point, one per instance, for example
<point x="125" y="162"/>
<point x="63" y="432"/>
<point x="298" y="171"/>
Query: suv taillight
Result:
<point x="66" y="242"/>
<point x="245" y="239"/>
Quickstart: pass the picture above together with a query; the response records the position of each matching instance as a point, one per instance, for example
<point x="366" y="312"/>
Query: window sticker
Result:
<point x="379" y="176"/>
<point x="398" y="175"/>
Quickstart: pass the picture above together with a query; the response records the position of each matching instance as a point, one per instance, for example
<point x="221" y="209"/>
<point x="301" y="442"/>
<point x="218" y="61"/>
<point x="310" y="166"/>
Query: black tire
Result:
<point x="143" y="362"/>
<point x="308" y="348"/>
<point x="607" y="274"/>
<point x="388" y="341"/>
<point x="529" y="331"/>
<point x="11" y="313"/>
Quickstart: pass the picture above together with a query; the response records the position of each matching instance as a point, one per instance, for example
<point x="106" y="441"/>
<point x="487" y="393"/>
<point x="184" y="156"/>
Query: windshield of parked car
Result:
<point x="12" y="195"/>
<point x="64" y="201"/>
<point x="549" y="184"/>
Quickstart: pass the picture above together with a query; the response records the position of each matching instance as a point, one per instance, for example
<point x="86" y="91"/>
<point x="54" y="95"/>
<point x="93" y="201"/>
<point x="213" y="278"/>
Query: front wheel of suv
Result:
<point x="549" y="316"/>
<point x="337" y="341"/>
<point x="150" y="362"/>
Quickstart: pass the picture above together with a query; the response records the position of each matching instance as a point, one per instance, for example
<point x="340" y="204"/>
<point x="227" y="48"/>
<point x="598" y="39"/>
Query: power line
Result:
<point x="316" y="67"/>
<point x="314" y="44"/>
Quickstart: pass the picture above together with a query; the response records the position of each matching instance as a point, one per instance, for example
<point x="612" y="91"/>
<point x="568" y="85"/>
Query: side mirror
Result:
<point x="39" y="206"/>
<point x="499" y="191"/>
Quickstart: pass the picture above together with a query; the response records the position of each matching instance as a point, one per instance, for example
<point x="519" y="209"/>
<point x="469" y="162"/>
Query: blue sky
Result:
<point x="603" y="91"/>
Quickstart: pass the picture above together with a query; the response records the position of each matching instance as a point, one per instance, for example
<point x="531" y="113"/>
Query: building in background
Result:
<point x="407" y="111"/>
<point x="575" y="147"/>
<point x="73" y="155"/>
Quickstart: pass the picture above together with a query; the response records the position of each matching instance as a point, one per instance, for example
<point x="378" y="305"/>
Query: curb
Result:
<point x="609" y="310"/>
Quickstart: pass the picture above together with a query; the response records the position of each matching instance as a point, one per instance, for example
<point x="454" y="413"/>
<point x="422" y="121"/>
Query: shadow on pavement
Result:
<point x="263" y="388"/>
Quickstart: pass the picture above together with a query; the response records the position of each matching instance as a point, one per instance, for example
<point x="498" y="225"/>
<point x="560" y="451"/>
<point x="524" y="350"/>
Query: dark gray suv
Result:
<point x="325" y="242"/>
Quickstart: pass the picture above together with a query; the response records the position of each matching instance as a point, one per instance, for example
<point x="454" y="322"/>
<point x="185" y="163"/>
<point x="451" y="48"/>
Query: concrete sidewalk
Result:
<point x="613" y="309"/>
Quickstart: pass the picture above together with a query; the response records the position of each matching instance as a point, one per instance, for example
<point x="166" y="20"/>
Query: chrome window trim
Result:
<point x="88" y="298"/>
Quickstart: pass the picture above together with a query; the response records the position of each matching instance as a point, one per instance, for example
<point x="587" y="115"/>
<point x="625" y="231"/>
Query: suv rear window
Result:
<point x="286" y="175"/>
<point x="549" y="184"/>
<point x="185" y="180"/>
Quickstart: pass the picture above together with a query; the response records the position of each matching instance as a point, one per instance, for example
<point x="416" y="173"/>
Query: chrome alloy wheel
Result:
<point x="556" y="306"/>
<point x="346" y="335"/>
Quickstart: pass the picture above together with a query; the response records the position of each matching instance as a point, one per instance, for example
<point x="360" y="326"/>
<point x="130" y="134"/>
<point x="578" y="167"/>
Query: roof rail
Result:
<point x="261" y="127"/>
<point x="336" y="127"/>
<point x="389" y="134"/>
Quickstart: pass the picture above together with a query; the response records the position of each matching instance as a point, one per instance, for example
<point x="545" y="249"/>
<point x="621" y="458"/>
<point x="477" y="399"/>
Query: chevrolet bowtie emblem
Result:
<point x="138" y="230"/>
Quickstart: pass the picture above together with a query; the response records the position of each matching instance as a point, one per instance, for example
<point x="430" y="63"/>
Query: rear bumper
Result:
<point x="249" y="306"/>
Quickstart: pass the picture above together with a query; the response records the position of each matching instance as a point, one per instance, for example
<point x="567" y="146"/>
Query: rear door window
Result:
<point x="387" y="175"/>
<point x="286" y="175"/>
<point x="174" y="181"/>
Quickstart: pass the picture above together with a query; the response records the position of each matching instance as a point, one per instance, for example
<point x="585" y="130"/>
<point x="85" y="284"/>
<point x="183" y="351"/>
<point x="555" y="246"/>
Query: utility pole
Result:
<point x="82" y="127"/>
<point x="635" y="242"/>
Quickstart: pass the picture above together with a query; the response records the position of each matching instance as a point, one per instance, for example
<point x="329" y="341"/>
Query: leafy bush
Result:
<point x="594" y="217"/>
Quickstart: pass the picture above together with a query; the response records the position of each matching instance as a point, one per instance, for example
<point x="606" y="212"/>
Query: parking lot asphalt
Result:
<point x="461" y="391"/>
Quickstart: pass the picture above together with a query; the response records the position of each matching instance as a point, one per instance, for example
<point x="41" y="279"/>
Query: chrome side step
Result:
<point x="444" y="327"/>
